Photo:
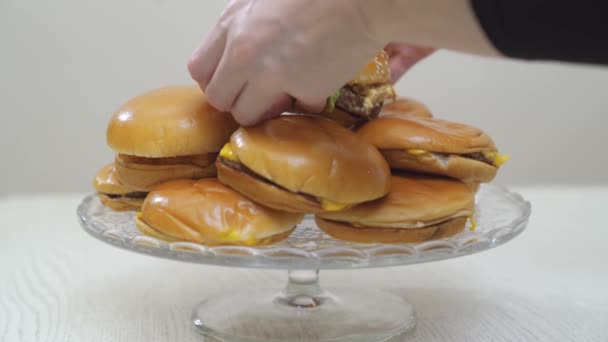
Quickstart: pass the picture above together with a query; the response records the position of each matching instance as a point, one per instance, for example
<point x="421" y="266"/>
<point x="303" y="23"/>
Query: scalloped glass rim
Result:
<point x="501" y="215"/>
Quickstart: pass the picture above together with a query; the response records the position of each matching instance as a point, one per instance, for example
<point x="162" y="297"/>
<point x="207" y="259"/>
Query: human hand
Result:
<point x="403" y="56"/>
<point x="264" y="54"/>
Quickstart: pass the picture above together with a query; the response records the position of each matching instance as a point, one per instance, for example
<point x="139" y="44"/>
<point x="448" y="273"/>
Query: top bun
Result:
<point x="105" y="182"/>
<point x="168" y="122"/>
<point x="428" y="134"/>
<point x="209" y="212"/>
<point x="377" y="71"/>
<point x="405" y="106"/>
<point x="314" y="156"/>
<point x="413" y="202"/>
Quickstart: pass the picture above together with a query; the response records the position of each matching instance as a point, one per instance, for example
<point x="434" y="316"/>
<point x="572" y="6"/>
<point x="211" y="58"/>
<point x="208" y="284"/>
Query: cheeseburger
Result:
<point x="302" y="163"/>
<point x="362" y="98"/>
<point x="435" y="146"/>
<point x="208" y="212"/>
<point x="165" y="134"/>
<point x="115" y="195"/>
<point x="418" y="208"/>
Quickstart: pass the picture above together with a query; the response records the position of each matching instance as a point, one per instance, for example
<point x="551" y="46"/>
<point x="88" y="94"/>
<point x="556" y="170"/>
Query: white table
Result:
<point x="549" y="284"/>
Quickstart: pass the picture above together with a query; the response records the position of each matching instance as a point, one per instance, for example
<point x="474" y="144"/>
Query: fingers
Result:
<point x="206" y="58"/>
<point x="263" y="54"/>
<point x="402" y="57"/>
<point x="256" y="103"/>
<point x="283" y="104"/>
<point x="314" y="107"/>
<point x="234" y="70"/>
<point x="398" y="67"/>
<point x="225" y="87"/>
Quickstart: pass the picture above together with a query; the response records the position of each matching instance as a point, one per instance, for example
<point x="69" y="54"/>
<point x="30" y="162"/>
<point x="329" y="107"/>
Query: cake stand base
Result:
<point x="303" y="311"/>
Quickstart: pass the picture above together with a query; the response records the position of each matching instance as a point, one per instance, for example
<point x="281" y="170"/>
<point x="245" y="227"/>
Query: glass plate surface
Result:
<point x="501" y="215"/>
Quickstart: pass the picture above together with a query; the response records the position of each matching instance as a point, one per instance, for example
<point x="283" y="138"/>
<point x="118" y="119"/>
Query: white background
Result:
<point x="65" y="65"/>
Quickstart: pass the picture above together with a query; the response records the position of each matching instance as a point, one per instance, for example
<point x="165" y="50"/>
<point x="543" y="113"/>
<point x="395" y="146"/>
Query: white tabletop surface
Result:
<point x="549" y="284"/>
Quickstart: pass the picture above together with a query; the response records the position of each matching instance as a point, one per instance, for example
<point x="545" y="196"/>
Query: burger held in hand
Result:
<point x="303" y="164"/>
<point x="208" y="212"/>
<point x="363" y="97"/>
<point x="166" y="134"/>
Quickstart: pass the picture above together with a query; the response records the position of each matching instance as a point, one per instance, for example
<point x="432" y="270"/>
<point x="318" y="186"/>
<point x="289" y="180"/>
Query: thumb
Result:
<point x="312" y="107"/>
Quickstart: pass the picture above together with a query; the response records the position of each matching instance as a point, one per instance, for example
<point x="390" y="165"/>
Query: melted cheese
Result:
<point x="332" y="206"/>
<point x="381" y="93"/>
<point x="228" y="153"/>
<point x="497" y="159"/>
<point x="473" y="223"/>
<point x="417" y="152"/>
<point x="377" y="95"/>
<point x="231" y="236"/>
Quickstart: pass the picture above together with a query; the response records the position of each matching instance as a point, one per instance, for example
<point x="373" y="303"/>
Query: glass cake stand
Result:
<point x="303" y="310"/>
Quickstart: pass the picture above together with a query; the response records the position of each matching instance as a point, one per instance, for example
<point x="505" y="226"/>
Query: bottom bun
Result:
<point x="144" y="174"/>
<point x="347" y="232"/>
<point x="148" y="230"/>
<point x="263" y="192"/>
<point x="454" y="166"/>
<point x="121" y="203"/>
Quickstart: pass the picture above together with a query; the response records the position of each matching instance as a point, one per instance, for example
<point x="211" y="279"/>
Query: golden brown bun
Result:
<point x="314" y="156"/>
<point x="167" y="122"/>
<point x="144" y="174"/>
<point x="465" y="169"/>
<point x="428" y="134"/>
<point x="375" y="71"/>
<point x="208" y="212"/>
<point x="347" y="232"/>
<point x="106" y="182"/>
<point x="414" y="201"/>
<point x="404" y="106"/>
<point x="121" y="203"/>
<point x="263" y="192"/>
<point x="146" y="229"/>
<point x="474" y="186"/>
<point x="343" y="118"/>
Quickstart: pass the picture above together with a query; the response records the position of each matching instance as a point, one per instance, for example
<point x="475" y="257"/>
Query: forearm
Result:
<point x="562" y="30"/>
<point x="447" y="24"/>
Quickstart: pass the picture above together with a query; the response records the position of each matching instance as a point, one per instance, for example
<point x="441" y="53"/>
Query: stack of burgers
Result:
<point x="392" y="174"/>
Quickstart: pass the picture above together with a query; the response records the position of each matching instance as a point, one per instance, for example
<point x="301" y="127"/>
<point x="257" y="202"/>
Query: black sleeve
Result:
<point x="564" y="30"/>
